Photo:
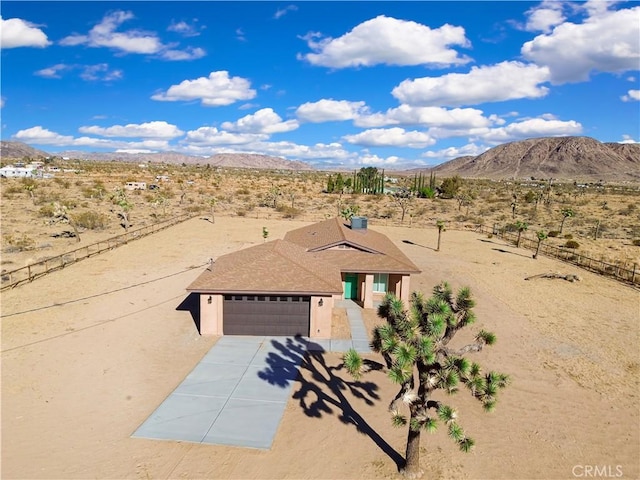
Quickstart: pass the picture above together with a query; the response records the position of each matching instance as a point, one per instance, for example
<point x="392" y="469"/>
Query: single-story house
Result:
<point x="12" y="171"/>
<point x="288" y="286"/>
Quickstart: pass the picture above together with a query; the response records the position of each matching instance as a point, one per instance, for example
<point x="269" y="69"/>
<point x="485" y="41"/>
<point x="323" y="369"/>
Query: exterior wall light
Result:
<point x="320" y="302"/>
<point x="209" y="300"/>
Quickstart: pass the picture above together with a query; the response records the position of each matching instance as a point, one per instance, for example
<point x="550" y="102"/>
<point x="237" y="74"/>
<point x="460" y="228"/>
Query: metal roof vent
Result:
<point x="358" y="223"/>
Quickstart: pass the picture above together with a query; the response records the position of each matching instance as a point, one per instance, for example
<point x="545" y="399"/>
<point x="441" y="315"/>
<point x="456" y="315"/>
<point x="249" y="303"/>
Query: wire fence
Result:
<point x="621" y="272"/>
<point x="36" y="270"/>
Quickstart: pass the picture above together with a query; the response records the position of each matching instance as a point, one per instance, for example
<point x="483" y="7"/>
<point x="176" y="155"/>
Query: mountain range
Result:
<point x="574" y="158"/>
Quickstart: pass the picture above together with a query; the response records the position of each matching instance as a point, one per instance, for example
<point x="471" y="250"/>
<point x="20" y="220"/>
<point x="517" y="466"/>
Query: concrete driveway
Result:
<point x="237" y="394"/>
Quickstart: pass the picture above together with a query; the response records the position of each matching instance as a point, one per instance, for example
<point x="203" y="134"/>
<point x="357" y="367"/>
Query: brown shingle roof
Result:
<point x="304" y="262"/>
<point x="274" y="267"/>
<point x="330" y="233"/>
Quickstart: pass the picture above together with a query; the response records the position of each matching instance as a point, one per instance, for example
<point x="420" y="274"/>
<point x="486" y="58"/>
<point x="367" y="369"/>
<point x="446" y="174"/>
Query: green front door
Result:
<point x="351" y="286"/>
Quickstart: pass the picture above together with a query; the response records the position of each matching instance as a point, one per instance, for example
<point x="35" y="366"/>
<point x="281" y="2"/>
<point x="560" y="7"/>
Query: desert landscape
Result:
<point x="90" y="351"/>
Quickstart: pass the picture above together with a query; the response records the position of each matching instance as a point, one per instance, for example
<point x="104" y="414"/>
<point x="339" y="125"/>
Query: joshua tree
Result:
<point x="403" y="198"/>
<point x="30" y="187"/>
<point x="212" y="204"/>
<point x="514" y="205"/>
<point x="520" y="227"/>
<point x="440" y="225"/>
<point x="120" y="198"/>
<point x="414" y="343"/>
<point x="542" y="236"/>
<point x="566" y="213"/>
<point x="349" y="212"/>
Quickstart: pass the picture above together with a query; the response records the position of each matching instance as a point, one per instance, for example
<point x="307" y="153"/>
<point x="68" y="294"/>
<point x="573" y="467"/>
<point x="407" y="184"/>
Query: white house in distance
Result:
<point x="136" y="186"/>
<point x="11" y="171"/>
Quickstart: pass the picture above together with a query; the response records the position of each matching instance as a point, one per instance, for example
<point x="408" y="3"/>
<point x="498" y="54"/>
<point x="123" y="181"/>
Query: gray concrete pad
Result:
<point x="273" y="386"/>
<point x="247" y="423"/>
<point x="182" y="417"/>
<point x="235" y="396"/>
<point x="212" y="380"/>
<point x="341" y="345"/>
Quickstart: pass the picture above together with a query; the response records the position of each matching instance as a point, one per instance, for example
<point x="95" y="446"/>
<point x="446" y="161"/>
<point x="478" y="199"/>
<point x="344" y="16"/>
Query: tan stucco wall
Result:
<point x="320" y="317"/>
<point x="405" y="289"/>
<point x="367" y="291"/>
<point x="210" y="314"/>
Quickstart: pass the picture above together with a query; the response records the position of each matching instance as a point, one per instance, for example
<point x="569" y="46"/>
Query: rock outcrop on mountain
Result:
<point x="571" y="158"/>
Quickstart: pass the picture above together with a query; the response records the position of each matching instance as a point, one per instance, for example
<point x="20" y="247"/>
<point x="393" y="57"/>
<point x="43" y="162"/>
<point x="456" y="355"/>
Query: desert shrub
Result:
<point x="568" y="236"/>
<point x="194" y="209"/>
<point x="62" y="182"/>
<point x="289" y="212"/>
<point x="243" y="191"/>
<point x="530" y="196"/>
<point x="19" y="244"/>
<point x="572" y="244"/>
<point x="13" y="189"/>
<point x="241" y="213"/>
<point x="91" y="220"/>
<point x="46" y="211"/>
<point x="553" y="233"/>
<point x="636" y="242"/>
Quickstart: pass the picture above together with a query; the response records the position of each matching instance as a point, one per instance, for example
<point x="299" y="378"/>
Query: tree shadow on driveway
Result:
<point x="325" y="392"/>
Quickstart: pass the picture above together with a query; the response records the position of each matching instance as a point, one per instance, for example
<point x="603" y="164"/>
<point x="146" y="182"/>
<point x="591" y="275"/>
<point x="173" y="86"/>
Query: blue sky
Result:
<point x="388" y="84"/>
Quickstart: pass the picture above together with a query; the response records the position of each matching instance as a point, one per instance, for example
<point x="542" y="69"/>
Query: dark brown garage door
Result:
<point x="266" y="315"/>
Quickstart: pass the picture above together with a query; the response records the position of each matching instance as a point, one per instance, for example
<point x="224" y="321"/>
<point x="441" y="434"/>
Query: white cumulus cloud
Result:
<point x="15" y="32"/>
<point x="530" y="128"/>
<point x="545" y="16"/>
<point x="426" y="116"/>
<point x="470" y="149"/>
<point x="390" y="41"/>
<point x="213" y="136"/>
<point x="42" y="136"/>
<point x="606" y="42"/>
<point x="216" y="90"/>
<point x="390" y="137"/>
<point x="329" y="110"/>
<point x="184" y="28"/>
<point x="104" y="34"/>
<point x="495" y="83"/>
<point x="263" y="121"/>
<point x="631" y="96"/>
<point x="53" y="71"/>
<point x="157" y="129"/>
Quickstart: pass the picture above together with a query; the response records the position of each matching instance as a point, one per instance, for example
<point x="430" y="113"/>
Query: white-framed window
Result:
<point x="380" y="282"/>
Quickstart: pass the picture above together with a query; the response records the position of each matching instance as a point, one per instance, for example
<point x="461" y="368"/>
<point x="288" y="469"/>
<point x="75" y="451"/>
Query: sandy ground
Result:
<point x="89" y="352"/>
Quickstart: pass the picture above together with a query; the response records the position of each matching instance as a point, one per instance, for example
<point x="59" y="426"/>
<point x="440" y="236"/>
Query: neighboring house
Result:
<point x="288" y="287"/>
<point x="136" y="186"/>
<point x="11" y="171"/>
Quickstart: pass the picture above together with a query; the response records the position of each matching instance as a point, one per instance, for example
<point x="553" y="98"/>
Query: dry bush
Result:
<point x="18" y="244"/>
<point x="91" y="220"/>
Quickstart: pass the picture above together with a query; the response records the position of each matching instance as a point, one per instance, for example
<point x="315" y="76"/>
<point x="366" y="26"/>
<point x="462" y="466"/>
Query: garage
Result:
<point x="266" y="315"/>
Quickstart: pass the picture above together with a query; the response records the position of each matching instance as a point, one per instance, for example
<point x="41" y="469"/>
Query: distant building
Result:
<point x="136" y="186"/>
<point x="11" y="171"/>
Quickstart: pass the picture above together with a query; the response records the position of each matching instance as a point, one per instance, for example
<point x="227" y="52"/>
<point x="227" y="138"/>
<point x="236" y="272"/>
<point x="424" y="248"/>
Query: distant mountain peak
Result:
<point x="572" y="158"/>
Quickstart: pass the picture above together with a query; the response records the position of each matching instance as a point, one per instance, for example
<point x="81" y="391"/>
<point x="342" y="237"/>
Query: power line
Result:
<point x="102" y="293"/>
